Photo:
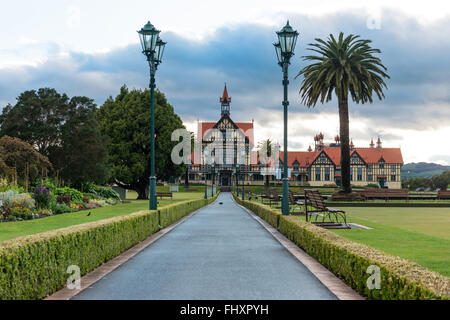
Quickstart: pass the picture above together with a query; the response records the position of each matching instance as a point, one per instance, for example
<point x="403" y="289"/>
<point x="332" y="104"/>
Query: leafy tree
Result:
<point x="126" y="121"/>
<point x="65" y="130"/>
<point x="347" y="68"/>
<point x="20" y="161"/>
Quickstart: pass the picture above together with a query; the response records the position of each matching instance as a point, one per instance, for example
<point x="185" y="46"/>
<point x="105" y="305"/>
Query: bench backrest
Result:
<point x="315" y="198"/>
<point x="443" y="193"/>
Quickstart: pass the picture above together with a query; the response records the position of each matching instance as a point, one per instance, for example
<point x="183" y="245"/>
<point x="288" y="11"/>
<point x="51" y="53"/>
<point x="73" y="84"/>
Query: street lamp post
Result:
<point x="206" y="185"/>
<point x="243" y="175"/>
<point x="284" y="49"/>
<point x="212" y="179"/>
<point x="153" y="49"/>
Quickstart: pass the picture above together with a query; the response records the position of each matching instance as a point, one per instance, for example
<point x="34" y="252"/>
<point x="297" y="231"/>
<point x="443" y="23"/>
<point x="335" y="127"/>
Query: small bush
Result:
<point x="59" y="208"/>
<point x="74" y="194"/>
<point x="42" y="197"/>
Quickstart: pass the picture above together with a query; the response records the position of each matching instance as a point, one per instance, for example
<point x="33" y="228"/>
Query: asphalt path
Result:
<point x="221" y="253"/>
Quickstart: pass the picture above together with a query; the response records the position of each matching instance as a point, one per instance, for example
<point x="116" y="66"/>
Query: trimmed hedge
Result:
<point x="33" y="267"/>
<point x="265" y="212"/>
<point x="172" y="213"/>
<point x="400" y="278"/>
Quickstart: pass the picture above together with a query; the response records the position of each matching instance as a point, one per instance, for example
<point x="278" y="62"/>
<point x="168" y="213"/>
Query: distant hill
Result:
<point x="422" y="169"/>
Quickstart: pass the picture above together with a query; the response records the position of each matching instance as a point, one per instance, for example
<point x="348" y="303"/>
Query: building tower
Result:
<point x="225" y="102"/>
<point x="372" y="144"/>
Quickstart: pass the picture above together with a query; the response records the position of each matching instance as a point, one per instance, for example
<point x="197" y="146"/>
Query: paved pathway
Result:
<point x="219" y="253"/>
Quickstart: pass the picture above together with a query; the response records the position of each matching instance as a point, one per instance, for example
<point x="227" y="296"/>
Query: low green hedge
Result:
<point x="33" y="267"/>
<point x="400" y="278"/>
<point x="265" y="212"/>
<point x="174" y="212"/>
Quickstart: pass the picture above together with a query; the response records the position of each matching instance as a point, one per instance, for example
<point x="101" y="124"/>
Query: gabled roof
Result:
<point x="368" y="155"/>
<point x="304" y="158"/>
<point x="373" y="155"/>
<point x="245" y="127"/>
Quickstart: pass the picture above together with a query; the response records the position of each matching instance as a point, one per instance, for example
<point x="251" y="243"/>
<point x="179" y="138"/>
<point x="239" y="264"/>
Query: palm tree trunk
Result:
<point x="345" y="144"/>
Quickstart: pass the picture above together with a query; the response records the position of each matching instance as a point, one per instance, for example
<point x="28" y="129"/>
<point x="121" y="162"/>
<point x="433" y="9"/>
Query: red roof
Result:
<point x="246" y="127"/>
<point x="374" y="155"/>
<point x="304" y="158"/>
<point x="369" y="155"/>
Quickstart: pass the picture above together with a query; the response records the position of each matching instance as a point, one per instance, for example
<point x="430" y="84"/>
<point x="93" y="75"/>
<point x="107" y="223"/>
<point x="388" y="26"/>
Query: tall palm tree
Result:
<point x="346" y="67"/>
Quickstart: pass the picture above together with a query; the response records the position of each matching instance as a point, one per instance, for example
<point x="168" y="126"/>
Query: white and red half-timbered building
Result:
<point x="318" y="166"/>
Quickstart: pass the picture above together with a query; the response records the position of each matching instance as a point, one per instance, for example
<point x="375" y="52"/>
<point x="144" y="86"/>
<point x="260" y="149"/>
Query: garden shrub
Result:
<point x="35" y="266"/>
<point x="74" y="194"/>
<point x="400" y="278"/>
<point x="42" y="197"/>
<point x="13" y="199"/>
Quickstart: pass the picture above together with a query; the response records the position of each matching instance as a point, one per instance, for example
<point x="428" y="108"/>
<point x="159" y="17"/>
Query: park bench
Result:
<point x="162" y="195"/>
<point x="295" y="204"/>
<point x="331" y="218"/>
<point x="443" y="194"/>
<point x="385" y="194"/>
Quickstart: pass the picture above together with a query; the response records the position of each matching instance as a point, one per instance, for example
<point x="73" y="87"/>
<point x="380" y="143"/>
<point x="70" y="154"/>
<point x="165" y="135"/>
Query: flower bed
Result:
<point x="16" y="205"/>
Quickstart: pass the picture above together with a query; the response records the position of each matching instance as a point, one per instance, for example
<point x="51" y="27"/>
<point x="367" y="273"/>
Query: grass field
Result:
<point x="421" y="235"/>
<point x="10" y="230"/>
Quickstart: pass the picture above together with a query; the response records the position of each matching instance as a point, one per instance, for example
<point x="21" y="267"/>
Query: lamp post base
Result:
<point x="285" y="200"/>
<point x="152" y="194"/>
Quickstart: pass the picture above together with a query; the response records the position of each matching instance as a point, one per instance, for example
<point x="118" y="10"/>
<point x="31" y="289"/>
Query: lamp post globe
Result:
<point x="284" y="49"/>
<point x="153" y="49"/>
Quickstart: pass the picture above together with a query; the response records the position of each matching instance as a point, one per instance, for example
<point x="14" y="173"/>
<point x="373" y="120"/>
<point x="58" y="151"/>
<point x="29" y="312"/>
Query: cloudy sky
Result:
<point x="91" y="48"/>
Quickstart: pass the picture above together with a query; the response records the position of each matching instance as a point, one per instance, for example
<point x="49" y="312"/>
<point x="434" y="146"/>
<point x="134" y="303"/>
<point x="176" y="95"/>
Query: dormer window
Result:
<point x="295" y="166"/>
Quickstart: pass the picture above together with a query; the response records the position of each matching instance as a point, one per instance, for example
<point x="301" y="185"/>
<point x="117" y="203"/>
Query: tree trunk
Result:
<point x="186" y="180"/>
<point x="345" y="144"/>
<point x="142" y="193"/>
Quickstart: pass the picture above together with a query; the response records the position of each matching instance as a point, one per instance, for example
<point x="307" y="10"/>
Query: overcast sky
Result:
<point x="91" y="48"/>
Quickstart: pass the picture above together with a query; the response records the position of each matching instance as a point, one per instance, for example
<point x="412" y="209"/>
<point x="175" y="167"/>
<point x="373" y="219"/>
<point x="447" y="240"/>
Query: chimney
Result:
<point x="379" y="143"/>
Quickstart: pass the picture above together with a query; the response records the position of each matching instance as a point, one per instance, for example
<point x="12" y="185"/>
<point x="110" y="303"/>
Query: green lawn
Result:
<point x="10" y="230"/>
<point x="421" y="235"/>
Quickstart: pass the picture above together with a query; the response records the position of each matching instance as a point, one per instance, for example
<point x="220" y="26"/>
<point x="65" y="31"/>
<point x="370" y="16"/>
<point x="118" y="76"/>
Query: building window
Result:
<point x="318" y="174"/>
<point x="359" y="174"/>
<point x="351" y="174"/>
<point x="369" y="169"/>
<point x="327" y="174"/>
<point x="381" y="165"/>
<point x="393" y="167"/>
<point x="369" y="177"/>
<point x="393" y="177"/>
<point x="295" y="167"/>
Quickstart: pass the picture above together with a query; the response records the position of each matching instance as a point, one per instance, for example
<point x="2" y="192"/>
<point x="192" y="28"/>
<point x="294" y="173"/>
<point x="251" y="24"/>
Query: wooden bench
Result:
<point x="385" y="194"/>
<point x="443" y="194"/>
<point x="336" y="217"/>
<point x="161" y="195"/>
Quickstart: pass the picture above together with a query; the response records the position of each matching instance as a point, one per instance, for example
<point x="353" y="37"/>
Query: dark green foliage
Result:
<point x="100" y="192"/>
<point x="400" y="279"/>
<point x="20" y="162"/>
<point x="438" y="181"/>
<point x="422" y="169"/>
<point x="126" y="121"/>
<point x="35" y="266"/>
<point x="62" y="129"/>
